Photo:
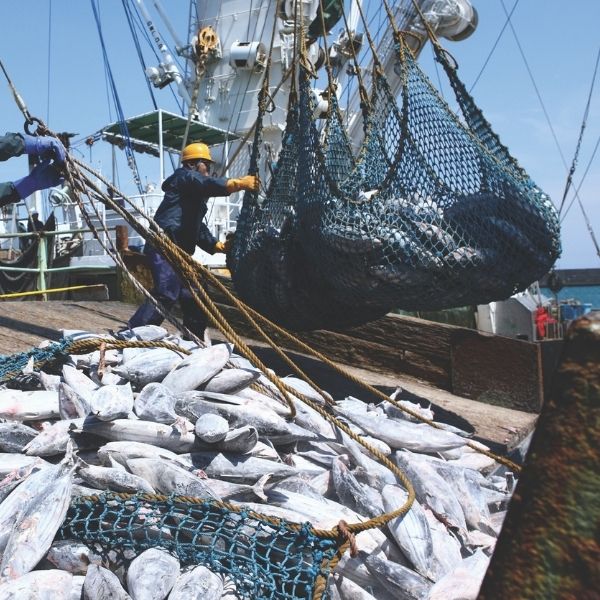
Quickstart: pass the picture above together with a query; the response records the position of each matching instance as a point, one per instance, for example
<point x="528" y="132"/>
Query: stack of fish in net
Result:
<point x="433" y="213"/>
<point x="150" y="473"/>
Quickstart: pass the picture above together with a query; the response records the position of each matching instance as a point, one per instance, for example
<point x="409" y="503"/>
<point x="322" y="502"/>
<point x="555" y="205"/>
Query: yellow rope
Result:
<point x="87" y="345"/>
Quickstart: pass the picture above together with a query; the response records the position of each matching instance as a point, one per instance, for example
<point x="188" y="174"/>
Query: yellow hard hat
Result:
<point x="196" y="151"/>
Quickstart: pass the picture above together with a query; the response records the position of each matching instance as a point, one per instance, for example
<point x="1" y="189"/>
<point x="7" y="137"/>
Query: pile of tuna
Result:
<point x="158" y="421"/>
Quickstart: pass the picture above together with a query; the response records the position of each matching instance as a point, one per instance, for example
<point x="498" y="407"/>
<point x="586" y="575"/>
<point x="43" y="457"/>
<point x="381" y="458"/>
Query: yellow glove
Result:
<point x="220" y="247"/>
<point x="249" y="182"/>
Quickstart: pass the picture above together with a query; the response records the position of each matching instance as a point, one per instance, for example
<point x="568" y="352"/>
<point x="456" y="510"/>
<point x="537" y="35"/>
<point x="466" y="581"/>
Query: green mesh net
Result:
<point x="267" y="558"/>
<point x="434" y="213"/>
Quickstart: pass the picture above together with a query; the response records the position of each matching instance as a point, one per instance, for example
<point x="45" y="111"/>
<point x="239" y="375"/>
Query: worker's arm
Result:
<point x="206" y="240"/>
<point x="8" y="193"/>
<point x="11" y="144"/>
<point x="42" y="176"/>
<point x="43" y="146"/>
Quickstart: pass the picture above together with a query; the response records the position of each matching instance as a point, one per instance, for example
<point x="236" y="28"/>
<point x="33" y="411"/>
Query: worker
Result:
<point x="44" y="174"/>
<point x="34" y="224"/>
<point x="180" y="215"/>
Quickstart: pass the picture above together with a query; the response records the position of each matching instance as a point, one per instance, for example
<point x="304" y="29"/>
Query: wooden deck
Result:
<point x="25" y="324"/>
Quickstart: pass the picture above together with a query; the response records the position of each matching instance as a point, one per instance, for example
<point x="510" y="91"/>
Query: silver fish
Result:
<point x="467" y="485"/>
<point x="11" y="461"/>
<point x="70" y="404"/>
<point x="239" y="492"/>
<point x="49" y="382"/>
<point x="152" y="575"/>
<point x="72" y="556"/>
<point x="431" y="489"/>
<point x="197" y="368"/>
<point x="241" y="440"/>
<point x="156" y="403"/>
<point x="397" y="413"/>
<point x="380" y="475"/>
<point x="101" y="584"/>
<point x="403" y="434"/>
<point x="165" y="436"/>
<point x="361" y="498"/>
<point x="78" y="381"/>
<point x="76" y="591"/>
<point x="51" y="584"/>
<point x="149" y="367"/>
<point x="411" y="531"/>
<point x="20" y="498"/>
<point x="348" y="590"/>
<point x="464" y="581"/>
<point x="119" y="452"/>
<point x="230" y="381"/>
<point x="402" y="582"/>
<point x="193" y="405"/>
<point x="117" y="480"/>
<point x="197" y="584"/>
<point x="446" y="548"/>
<point x="169" y="478"/>
<point x="241" y="469"/>
<point x="37" y="525"/>
<point x="53" y="439"/>
<point x="211" y="428"/>
<point x="258" y="399"/>
<point x="15" y="436"/>
<point x="147" y="333"/>
<point x="111" y="402"/>
<point x="355" y="570"/>
<point x="324" y="513"/>
<point x="16" y="405"/>
<point x="14" y="478"/>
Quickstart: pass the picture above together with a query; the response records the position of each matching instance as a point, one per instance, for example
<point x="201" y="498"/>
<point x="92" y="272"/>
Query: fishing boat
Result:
<point x="375" y="196"/>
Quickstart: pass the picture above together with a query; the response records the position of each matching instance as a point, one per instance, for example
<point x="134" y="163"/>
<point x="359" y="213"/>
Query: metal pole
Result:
<point x="160" y="147"/>
<point x="53" y="291"/>
<point x="169" y="63"/>
<point x="42" y="265"/>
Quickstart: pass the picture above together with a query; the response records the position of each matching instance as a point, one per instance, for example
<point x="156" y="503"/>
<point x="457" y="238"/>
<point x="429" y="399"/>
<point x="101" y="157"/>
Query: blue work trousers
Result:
<point x="168" y="289"/>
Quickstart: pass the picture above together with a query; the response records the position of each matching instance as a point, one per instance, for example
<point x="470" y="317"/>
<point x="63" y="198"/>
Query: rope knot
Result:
<point x="345" y="532"/>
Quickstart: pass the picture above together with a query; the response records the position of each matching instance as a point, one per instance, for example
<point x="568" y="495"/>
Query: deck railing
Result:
<point x="42" y="268"/>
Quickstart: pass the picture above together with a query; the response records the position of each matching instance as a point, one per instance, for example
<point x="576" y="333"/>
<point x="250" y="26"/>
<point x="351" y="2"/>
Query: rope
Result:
<point x="88" y="345"/>
<point x="364" y="96"/>
<point x="580" y="138"/>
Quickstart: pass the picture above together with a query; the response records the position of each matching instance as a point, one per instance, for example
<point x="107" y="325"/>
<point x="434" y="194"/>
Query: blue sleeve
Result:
<point x="206" y="240"/>
<point x="8" y="193"/>
<point x="206" y="186"/>
<point x="11" y="144"/>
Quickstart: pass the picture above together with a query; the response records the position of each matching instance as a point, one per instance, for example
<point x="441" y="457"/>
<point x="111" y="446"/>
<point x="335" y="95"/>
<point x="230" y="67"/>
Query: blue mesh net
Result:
<point x="12" y="365"/>
<point x="267" y="558"/>
<point x="434" y="213"/>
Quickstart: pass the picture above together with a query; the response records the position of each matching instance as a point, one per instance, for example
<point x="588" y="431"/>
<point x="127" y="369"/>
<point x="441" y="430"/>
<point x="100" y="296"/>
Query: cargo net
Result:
<point x="450" y="220"/>
<point x="435" y="213"/>
<point x="266" y="557"/>
<point x="12" y="365"/>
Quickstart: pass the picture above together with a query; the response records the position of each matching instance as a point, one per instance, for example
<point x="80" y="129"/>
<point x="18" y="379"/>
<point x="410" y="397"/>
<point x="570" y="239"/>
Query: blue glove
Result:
<point x="43" y="175"/>
<point x="44" y="146"/>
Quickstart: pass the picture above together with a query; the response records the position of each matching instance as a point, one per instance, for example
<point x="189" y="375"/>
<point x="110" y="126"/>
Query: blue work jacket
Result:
<point x="182" y="211"/>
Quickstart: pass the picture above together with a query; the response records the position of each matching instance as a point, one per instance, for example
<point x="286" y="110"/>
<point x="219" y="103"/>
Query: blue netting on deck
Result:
<point x="267" y="558"/>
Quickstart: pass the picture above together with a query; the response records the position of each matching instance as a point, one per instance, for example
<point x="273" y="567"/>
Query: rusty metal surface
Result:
<point x="549" y="547"/>
<point x="497" y="370"/>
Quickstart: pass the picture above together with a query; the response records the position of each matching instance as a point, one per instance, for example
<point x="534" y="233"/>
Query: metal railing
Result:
<point x="42" y="268"/>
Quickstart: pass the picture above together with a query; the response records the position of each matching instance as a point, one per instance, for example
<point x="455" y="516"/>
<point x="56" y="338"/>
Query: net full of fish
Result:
<point x="155" y="421"/>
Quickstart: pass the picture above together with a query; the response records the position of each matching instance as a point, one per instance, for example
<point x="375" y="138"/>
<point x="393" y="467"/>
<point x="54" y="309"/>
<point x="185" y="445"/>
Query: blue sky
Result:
<point x="56" y="64"/>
